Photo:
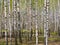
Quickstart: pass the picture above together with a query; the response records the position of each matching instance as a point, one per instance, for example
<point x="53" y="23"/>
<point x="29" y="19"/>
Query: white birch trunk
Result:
<point x="58" y="12"/>
<point x="58" y="17"/>
<point x="46" y="7"/>
<point x="0" y="18"/>
<point x="5" y="9"/>
<point x="10" y="24"/>
<point x="15" y="14"/>
<point x="18" y="21"/>
<point x="29" y="15"/>
<point x="55" y="20"/>
<point x="5" y="16"/>
<point x="15" y="20"/>
<point x="36" y="23"/>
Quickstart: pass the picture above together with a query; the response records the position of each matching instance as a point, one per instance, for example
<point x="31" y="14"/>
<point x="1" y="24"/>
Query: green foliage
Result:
<point x="23" y="4"/>
<point x="41" y="39"/>
<point x="52" y="39"/>
<point x="24" y="30"/>
<point x="33" y="4"/>
<point x="54" y="33"/>
<point x="11" y="5"/>
<point x="4" y="30"/>
<point x="53" y="4"/>
<point x="40" y="3"/>
<point x="58" y="39"/>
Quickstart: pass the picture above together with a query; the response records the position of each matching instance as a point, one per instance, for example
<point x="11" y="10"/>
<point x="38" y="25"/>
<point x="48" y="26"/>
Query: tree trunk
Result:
<point x="36" y="14"/>
<point x="15" y="20"/>
<point x="19" y="21"/>
<point x="46" y="8"/>
<point x="5" y="9"/>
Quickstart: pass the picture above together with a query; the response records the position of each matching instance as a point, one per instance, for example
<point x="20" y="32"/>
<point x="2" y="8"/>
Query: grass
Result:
<point x="32" y="42"/>
<point x="2" y="43"/>
<point x="40" y="37"/>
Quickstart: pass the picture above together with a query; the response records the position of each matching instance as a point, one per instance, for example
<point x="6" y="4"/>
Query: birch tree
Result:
<point x="29" y="19"/>
<point x="18" y="20"/>
<point x="15" y="20"/>
<point x="46" y="8"/>
<point x="2" y="15"/>
<point x="10" y="20"/>
<point x="59" y="17"/>
<point x="0" y="18"/>
<point x="36" y="2"/>
<point x="5" y="9"/>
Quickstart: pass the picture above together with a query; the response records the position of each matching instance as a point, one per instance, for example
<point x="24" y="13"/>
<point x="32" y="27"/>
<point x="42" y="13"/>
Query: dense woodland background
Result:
<point x="24" y="21"/>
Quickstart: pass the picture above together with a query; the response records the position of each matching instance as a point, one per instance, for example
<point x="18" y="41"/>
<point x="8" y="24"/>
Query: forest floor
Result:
<point x="2" y="42"/>
<point x="52" y="43"/>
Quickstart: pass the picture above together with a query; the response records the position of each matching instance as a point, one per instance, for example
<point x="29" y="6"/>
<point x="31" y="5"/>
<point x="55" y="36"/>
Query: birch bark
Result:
<point x="46" y="8"/>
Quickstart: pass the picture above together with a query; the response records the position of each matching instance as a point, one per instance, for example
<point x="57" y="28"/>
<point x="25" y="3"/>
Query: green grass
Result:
<point x="2" y="43"/>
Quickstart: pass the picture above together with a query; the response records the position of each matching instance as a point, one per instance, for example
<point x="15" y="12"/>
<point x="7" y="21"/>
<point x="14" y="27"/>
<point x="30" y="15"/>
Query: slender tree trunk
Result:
<point x="15" y="21"/>
<point x="2" y="25"/>
<point x="29" y="19"/>
<point x="46" y="7"/>
<point x="0" y="20"/>
<point x="36" y="2"/>
<point x="58" y="17"/>
<point x="5" y="7"/>
<point x="10" y="20"/>
<point x="18" y="21"/>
